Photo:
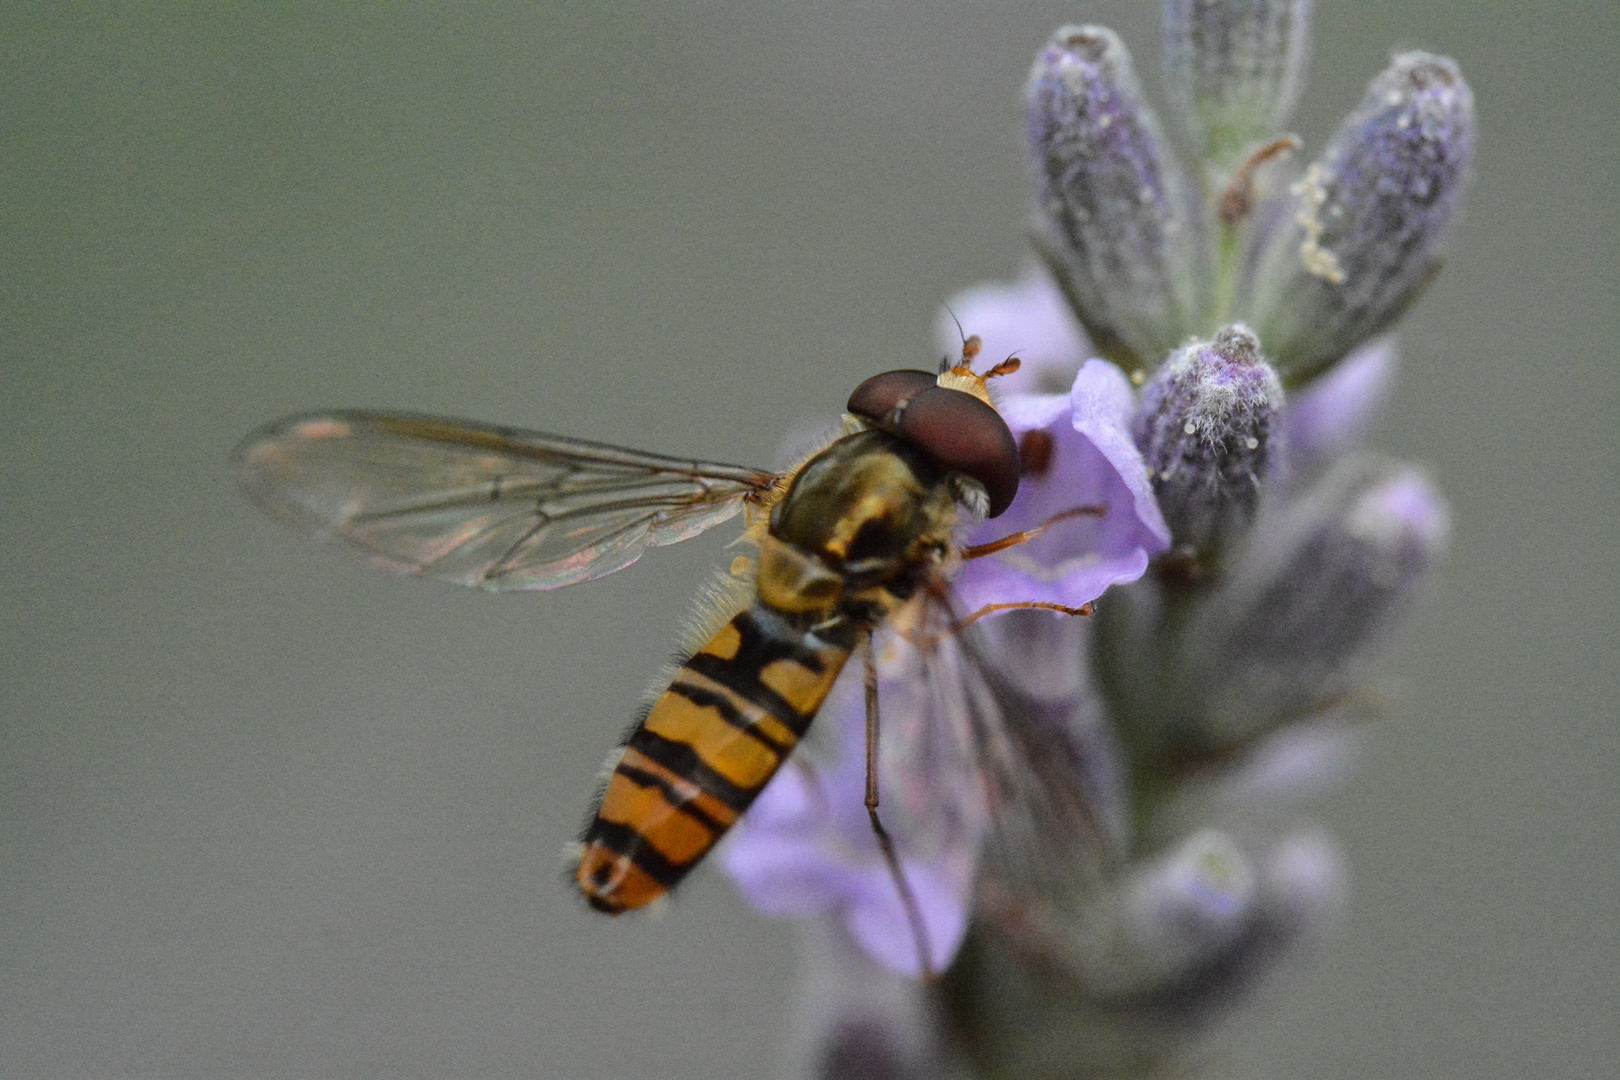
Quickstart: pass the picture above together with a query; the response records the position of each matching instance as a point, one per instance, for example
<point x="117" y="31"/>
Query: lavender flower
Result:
<point x="1085" y="457"/>
<point x="1250" y="562"/>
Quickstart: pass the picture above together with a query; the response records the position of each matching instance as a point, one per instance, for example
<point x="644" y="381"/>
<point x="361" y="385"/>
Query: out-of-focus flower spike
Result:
<point x="1371" y="216"/>
<point x="1111" y="216"/>
<point x="1172" y="945"/>
<point x="1235" y="69"/>
<point x="1206" y="428"/>
<point x="1306" y="601"/>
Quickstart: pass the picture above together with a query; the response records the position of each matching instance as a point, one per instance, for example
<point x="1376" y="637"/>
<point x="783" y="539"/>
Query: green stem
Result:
<point x="1228" y="255"/>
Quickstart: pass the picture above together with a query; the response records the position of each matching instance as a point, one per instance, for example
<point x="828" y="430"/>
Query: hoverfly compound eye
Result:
<point x="876" y="398"/>
<point x="963" y="434"/>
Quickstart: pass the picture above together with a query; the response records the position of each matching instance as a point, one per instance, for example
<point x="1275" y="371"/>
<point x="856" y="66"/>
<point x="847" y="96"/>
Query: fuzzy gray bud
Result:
<point x="1235" y="69"/>
<point x="1320" y="585"/>
<point x="1206" y="428"/>
<point x="1169" y="917"/>
<point x="1110" y="211"/>
<point x="1370" y="217"/>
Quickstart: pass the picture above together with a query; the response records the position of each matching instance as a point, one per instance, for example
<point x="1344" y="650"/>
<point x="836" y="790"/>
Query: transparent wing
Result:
<point x="480" y="505"/>
<point x="1021" y="730"/>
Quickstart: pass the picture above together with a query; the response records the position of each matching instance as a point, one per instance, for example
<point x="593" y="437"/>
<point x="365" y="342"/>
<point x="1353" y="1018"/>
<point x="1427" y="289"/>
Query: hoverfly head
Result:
<point x="951" y="419"/>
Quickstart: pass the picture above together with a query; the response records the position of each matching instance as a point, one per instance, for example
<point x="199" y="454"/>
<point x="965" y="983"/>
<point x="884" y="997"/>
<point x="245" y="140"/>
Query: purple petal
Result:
<point x="1324" y="418"/>
<point x="878" y="920"/>
<point x="775" y="854"/>
<point x="1094" y="462"/>
<point x="1029" y="319"/>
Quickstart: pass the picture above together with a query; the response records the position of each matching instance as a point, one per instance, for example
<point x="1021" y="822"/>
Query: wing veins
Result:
<point x="562" y="515"/>
<point x="559" y="449"/>
<point x="436" y="496"/>
<point x="499" y="567"/>
<point x="1041" y="804"/>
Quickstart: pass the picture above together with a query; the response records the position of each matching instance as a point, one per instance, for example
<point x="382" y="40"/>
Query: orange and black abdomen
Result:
<point x="708" y="745"/>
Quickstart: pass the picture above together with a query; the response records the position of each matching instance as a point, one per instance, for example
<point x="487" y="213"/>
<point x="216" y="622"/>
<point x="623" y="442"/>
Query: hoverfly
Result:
<point x="847" y="541"/>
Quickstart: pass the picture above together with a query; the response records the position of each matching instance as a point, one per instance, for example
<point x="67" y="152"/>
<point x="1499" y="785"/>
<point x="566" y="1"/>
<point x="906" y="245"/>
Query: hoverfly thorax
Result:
<point x="866" y="513"/>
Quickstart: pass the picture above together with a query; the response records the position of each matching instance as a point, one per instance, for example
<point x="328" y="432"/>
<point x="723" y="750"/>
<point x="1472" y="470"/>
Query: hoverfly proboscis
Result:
<point x="846" y="540"/>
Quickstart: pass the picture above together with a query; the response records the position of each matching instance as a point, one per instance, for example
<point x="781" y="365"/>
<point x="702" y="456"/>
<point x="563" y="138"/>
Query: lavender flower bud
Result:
<point x="1235" y="69"/>
<point x="1110" y="215"/>
<point x="1172" y="915"/>
<point x="1196" y="927"/>
<point x="1370" y="217"/>
<point x="1317" y="588"/>
<point x="1245" y="916"/>
<point x="1205" y="428"/>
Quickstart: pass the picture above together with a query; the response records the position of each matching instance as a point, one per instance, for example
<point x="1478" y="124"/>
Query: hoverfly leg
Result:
<point x="1023" y="536"/>
<point x="871" y="686"/>
<point x="1027" y="605"/>
<point x="908" y="900"/>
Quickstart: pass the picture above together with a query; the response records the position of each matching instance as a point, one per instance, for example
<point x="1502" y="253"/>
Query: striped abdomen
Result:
<point x="734" y="712"/>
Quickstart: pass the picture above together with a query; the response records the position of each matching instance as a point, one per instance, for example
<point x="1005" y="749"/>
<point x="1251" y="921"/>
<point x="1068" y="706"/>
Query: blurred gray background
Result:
<point x="264" y="813"/>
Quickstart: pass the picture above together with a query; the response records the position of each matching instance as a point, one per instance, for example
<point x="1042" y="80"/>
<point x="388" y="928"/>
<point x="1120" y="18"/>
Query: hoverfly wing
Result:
<point x="1050" y="820"/>
<point x="491" y="507"/>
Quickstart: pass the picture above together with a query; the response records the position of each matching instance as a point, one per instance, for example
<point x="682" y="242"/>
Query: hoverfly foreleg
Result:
<point x="957" y="625"/>
<point x="1023" y="536"/>
<point x="908" y="899"/>
<point x="1026" y="605"/>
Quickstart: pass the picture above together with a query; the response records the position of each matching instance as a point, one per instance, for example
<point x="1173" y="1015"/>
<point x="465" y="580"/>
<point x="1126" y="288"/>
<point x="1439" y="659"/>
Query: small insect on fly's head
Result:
<point x="950" y="418"/>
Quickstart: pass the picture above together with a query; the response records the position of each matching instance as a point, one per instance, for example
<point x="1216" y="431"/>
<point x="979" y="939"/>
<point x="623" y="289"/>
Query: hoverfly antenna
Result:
<point x="960" y="333"/>
<point x="970" y="347"/>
